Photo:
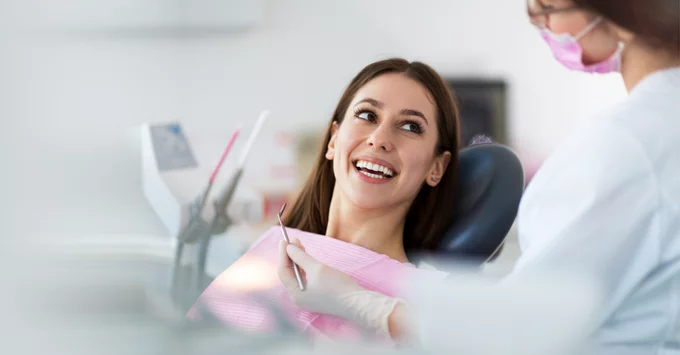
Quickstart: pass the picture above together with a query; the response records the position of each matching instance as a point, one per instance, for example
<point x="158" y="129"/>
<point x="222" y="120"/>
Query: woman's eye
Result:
<point x="412" y="127"/>
<point x="366" y="115"/>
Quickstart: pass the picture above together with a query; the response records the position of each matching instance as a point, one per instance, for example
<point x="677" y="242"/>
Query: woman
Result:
<point x="606" y="204"/>
<point x="387" y="170"/>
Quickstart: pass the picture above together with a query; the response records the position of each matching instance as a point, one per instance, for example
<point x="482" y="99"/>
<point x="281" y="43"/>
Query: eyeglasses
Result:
<point x="539" y="14"/>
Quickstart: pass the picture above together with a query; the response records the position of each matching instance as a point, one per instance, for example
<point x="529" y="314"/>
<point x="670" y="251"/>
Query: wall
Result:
<point x="72" y="147"/>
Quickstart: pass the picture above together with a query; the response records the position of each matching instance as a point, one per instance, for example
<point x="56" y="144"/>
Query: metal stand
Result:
<point x="200" y="232"/>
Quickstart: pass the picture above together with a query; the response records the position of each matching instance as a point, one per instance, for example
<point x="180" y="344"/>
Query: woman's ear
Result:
<point x="438" y="169"/>
<point x="330" y="150"/>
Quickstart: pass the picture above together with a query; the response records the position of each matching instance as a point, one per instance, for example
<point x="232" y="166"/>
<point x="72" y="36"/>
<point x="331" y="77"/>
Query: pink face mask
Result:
<point x="568" y="51"/>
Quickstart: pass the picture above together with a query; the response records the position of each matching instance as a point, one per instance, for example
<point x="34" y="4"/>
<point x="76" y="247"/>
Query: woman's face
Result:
<point x="385" y="147"/>
<point x="598" y="45"/>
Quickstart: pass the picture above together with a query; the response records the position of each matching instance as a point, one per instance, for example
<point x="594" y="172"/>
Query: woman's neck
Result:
<point x="381" y="231"/>
<point x="640" y="61"/>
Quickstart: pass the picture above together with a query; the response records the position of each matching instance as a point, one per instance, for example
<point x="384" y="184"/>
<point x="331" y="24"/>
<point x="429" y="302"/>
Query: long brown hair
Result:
<point x="655" y="22"/>
<point x="432" y="210"/>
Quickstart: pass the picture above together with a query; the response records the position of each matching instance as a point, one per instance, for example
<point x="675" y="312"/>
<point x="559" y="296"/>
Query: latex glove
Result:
<point x="332" y="292"/>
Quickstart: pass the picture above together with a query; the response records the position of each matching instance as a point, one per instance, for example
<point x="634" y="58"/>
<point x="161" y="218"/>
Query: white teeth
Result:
<point x="374" y="167"/>
<point x="373" y="175"/>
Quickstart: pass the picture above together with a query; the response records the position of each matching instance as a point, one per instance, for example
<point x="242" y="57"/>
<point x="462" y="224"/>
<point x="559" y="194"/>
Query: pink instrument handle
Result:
<point x="224" y="155"/>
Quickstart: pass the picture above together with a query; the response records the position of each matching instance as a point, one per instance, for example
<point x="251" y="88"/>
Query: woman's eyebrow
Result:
<point x="410" y="112"/>
<point x="371" y="101"/>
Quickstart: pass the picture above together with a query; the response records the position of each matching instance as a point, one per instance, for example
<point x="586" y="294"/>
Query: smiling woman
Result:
<point x="384" y="184"/>
<point x="396" y="115"/>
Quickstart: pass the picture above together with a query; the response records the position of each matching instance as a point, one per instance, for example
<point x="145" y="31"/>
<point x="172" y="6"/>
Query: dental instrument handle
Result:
<point x="296" y="269"/>
<point x="225" y="197"/>
<point x="256" y="131"/>
<point x="228" y="193"/>
<point x="298" y="276"/>
<point x="202" y="253"/>
<point x="224" y="155"/>
<point x="215" y="171"/>
<point x="195" y="230"/>
<point x="221" y="221"/>
<point x="189" y="233"/>
<point x="213" y="175"/>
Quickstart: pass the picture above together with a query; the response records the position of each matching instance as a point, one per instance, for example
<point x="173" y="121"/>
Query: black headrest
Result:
<point x="491" y="183"/>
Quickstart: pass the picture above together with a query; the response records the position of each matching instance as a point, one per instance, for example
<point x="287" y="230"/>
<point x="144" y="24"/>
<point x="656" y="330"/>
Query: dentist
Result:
<point x="606" y="203"/>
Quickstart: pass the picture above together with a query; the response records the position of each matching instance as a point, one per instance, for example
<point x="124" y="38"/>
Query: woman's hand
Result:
<point x="332" y="292"/>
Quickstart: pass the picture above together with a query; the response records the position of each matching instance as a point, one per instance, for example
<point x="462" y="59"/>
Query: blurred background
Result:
<point x="79" y="78"/>
<point x="82" y="76"/>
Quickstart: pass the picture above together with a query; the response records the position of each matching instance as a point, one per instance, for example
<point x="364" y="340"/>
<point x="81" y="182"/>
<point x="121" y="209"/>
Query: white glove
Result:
<point x="332" y="292"/>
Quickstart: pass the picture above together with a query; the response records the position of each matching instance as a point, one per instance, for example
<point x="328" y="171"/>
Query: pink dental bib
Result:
<point x="249" y="295"/>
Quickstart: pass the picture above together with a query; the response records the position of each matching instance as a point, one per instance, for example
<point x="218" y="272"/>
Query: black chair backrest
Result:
<point x="491" y="182"/>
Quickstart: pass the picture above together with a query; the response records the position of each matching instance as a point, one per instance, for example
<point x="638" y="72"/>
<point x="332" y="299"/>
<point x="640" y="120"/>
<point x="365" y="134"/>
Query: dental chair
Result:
<point x="491" y="183"/>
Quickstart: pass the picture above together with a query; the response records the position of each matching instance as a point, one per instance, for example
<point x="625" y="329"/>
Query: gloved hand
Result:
<point x="332" y="292"/>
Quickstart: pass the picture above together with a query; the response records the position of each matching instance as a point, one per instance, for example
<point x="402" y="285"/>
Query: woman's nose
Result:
<point x="380" y="139"/>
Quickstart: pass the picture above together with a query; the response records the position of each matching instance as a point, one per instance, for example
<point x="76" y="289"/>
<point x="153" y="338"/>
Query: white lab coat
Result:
<point x="607" y="203"/>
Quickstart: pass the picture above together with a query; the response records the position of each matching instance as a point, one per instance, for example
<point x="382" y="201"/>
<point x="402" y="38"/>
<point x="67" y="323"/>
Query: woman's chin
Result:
<point x="370" y="201"/>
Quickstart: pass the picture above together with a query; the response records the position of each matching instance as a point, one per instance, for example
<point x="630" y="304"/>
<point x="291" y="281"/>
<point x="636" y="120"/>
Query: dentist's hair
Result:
<point x="655" y="22"/>
<point x="432" y="211"/>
